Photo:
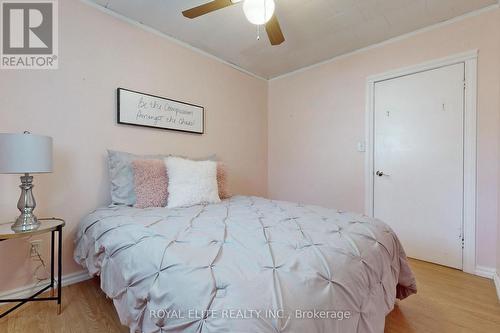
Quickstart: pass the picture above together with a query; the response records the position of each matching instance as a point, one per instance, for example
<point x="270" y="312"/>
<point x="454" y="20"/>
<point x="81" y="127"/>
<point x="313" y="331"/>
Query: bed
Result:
<point x="247" y="264"/>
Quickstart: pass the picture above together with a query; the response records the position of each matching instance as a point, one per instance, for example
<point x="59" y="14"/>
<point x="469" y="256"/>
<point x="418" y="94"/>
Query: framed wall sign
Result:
<point x="138" y="109"/>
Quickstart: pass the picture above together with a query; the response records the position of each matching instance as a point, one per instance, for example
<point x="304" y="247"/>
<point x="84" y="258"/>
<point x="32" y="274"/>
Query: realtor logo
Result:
<point x="29" y="35"/>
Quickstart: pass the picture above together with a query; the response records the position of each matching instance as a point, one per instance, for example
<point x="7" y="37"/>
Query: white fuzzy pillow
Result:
<point x="191" y="182"/>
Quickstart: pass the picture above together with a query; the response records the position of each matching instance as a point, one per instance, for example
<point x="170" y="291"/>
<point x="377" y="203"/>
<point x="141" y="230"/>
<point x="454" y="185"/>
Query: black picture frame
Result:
<point x="121" y="121"/>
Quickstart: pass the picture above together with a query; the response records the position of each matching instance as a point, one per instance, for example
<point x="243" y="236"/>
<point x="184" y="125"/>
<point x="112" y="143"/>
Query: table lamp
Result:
<point x="25" y="154"/>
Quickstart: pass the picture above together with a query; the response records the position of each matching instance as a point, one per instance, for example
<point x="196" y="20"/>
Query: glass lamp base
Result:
<point x="25" y="223"/>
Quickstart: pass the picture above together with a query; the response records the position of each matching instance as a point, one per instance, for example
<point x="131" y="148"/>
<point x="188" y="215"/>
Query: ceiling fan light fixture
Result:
<point x="258" y="12"/>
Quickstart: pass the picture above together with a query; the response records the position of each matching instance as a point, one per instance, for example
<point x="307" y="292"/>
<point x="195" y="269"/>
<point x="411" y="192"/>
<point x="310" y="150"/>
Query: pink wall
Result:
<point x="76" y="106"/>
<point x="317" y="116"/>
<point x="498" y="229"/>
<point x="306" y="140"/>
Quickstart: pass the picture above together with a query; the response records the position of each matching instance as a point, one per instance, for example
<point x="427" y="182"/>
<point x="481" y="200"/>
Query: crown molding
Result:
<point x="393" y="40"/>
<point x="172" y="39"/>
<point x="302" y="69"/>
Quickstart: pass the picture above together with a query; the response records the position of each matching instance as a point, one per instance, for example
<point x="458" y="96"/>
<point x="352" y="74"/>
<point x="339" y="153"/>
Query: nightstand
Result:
<point x="47" y="225"/>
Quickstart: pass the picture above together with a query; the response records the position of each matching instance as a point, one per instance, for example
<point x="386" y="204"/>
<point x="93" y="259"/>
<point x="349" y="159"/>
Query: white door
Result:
<point x="418" y="159"/>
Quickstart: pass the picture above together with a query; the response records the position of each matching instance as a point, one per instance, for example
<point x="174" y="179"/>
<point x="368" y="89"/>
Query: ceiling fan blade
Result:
<point x="207" y="8"/>
<point x="274" y="31"/>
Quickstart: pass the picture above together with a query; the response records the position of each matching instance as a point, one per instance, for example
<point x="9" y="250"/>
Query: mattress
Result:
<point x="247" y="264"/>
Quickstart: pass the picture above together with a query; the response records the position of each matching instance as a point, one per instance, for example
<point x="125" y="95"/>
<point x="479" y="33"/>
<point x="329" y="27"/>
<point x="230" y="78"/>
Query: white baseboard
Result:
<point x="486" y="272"/>
<point x="496" y="279"/>
<point x="490" y="273"/>
<point x="25" y="291"/>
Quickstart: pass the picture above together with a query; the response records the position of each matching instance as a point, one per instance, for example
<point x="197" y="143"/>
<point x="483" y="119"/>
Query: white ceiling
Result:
<point x="315" y="30"/>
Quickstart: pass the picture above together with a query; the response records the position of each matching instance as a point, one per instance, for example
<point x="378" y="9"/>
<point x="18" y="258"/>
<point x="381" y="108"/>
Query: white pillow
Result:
<point x="191" y="182"/>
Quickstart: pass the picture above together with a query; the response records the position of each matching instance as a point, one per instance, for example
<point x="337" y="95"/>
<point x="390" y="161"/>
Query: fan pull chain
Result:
<point x="265" y="14"/>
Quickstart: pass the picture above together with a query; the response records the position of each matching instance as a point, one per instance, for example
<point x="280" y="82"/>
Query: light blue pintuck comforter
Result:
<point x="247" y="264"/>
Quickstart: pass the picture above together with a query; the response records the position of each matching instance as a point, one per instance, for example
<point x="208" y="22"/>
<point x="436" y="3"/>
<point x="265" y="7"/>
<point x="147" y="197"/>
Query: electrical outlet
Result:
<point x="35" y="247"/>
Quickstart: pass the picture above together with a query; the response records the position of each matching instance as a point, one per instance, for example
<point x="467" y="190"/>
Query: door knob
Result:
<point x="380" y="174"/>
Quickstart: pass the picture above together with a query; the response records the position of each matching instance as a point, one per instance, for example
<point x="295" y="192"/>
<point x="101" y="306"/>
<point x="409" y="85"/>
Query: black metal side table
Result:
<point x="51" y="225"/>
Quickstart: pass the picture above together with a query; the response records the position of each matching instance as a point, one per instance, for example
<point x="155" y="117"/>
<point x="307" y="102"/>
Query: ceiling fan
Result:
<point x="258" y="12"/>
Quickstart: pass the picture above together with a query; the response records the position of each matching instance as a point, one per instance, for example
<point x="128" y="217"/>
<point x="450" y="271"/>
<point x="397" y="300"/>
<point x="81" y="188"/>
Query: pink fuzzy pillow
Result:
<point x="150" y="183"/>
<point x="222" y="181"/>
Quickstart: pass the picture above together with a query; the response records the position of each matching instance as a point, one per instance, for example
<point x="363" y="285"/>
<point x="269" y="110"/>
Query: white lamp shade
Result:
<point x="258" y="11"/>
<point x="25" y="153"/>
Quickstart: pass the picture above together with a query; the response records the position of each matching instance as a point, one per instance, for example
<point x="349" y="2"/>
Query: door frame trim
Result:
<point x="470" y="139"/>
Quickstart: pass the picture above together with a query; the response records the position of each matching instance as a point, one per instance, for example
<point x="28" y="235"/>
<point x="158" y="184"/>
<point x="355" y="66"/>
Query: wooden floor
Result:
<point x="447" y="301"/>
